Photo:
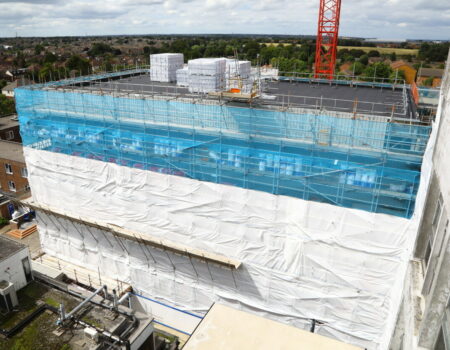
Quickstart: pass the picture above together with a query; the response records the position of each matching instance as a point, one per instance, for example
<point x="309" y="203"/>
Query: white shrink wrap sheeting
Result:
<point x="236" y="68"/>
<point x="164" y="66"/>
<point x="183" y="77"/>
<point x="207" y="66"/>
<point x="300" y="260"/>
<point x="207" y="74"/>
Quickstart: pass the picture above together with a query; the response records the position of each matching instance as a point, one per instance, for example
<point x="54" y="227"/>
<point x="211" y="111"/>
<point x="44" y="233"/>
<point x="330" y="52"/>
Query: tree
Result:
<point x="373" y="53"/>
<point x="397" y="75"/>
<point x="78" y="63"/>
<point x="393" y="56"/>
<point x="377" y="70"/>
<point x="434" y="52"/>
<point x="50" y="58"/>
<point x="7" y="106"/>
<point x="38" y="49"/>
<point x="99" y="49"/>
<point x="364" y="59"/>
<point x="358" y="68"/>
<point x="428" y="81"/>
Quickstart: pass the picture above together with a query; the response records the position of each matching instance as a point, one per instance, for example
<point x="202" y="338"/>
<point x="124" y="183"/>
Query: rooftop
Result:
<point x="230" y="329"/>
<point x="369" y="98"/>
<point x="8" y="247"/>
<point x="11" y="151"/>
<point x="8" y="122"/>
<point x="431" y="72"/>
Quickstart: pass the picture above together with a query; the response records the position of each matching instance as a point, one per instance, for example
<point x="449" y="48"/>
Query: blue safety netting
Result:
<point x="321" y="156"/>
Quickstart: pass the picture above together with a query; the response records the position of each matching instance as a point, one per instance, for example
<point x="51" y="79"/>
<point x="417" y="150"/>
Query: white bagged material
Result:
<point x="183" y="77"/>
<point x="207" y="66"/>
<point x="207" y="75"/>
<point x="236" y="68"/>
<point x="206" y="83"/>
<point x="164" y="66"/>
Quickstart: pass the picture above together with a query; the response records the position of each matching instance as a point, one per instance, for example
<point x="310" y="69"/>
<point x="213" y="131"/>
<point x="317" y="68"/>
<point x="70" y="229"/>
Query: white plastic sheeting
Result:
<point x="206" y="74"/>
<point x="164" y="66"/>
<point x="183" y="77"/>
<point x="300" y="260"/>
<point x="236" y="68"/>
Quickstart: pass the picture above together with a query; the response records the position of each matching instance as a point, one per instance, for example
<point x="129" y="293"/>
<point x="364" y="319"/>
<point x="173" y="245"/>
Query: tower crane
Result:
<point x="327" y="38"/>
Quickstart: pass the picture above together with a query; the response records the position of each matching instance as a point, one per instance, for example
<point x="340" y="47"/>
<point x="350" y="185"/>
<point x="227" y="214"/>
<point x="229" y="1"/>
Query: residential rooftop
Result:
<point x="11" y="151"/>
<point x="8" y="122"/>
<point x="8" y="247"/>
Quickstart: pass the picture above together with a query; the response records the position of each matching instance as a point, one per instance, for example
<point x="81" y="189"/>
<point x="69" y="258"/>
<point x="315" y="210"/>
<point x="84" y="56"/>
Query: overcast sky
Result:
<point x="393" y="19"/>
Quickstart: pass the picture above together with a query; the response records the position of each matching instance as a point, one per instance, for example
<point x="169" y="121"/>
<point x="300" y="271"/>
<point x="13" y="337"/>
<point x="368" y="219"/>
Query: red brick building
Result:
<point x="9" y="129"/>
<point x="13" y="176"/>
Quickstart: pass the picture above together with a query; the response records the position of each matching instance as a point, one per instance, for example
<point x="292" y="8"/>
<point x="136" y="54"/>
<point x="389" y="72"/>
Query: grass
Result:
<point x="52" y="302"/>
<point x="92" y="322"/>
<point x="383" y="50"/>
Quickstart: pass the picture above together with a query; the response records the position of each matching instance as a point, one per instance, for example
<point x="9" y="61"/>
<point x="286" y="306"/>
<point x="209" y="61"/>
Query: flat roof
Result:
<point x="11" y="151"/>
<point x="10" y="121"/>
<point x="343" y="96"/>
<point x="9" y="247"/>
<point x="225" y="328"/>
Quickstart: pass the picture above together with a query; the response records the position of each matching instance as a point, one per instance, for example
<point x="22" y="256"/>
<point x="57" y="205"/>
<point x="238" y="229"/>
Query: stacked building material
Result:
<point x="164" y="66"/>
<point x="238" y="75"/>
<point x="207" y="74"/>
<point x="238" y="68"/>
<point x="183" y="76"/>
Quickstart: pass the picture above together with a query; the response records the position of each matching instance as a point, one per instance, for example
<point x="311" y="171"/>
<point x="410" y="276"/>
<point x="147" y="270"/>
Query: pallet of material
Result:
<point x="21" y="234"/>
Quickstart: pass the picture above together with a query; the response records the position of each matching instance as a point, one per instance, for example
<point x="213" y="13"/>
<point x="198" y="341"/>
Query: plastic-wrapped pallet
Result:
<point x="236" y="68"/>
<point x="164" y="66"/>
<point x="207" y="66"/>
<point x="183" y="77"/>
<point x="207" y="74"/>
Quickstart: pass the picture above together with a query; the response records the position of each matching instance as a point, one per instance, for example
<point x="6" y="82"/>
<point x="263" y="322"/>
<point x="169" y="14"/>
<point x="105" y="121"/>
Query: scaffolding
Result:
<point x="360" y="159"/>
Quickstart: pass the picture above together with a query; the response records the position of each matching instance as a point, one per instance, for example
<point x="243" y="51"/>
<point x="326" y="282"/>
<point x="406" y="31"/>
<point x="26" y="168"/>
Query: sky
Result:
<point x="387" y="19"/>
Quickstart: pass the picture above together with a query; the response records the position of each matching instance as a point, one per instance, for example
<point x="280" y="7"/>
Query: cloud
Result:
<point x="31" y="1"/>
<point x="424" y="18"/>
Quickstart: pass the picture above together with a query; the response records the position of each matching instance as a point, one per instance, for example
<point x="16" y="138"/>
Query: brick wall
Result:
<point x="16" y="176"/>
<point x="15" y="129"/>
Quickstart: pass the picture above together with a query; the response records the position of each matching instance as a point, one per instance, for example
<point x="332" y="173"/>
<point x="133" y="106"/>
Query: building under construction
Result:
<point x="294" y="200"/>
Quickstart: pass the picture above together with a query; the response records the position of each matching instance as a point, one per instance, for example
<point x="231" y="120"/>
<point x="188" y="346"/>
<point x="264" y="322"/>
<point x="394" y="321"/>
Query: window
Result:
<point x="9" y="135"/>
<point x="24" y="172"/>
<point x="12" y="186"/>
<point x="434" y="225"/>
<point x="8" y="168"/>
<point x="434" y="257"/>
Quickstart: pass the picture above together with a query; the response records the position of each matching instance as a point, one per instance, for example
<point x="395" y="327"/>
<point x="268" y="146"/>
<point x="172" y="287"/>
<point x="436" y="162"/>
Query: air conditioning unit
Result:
<point x="8" y="296"/>
<point x="91" y="333"/>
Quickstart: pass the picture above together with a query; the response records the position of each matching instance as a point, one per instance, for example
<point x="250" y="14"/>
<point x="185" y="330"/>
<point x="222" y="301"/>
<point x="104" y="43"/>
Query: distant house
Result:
<point x="8" y="90"/>
<point x="407" y="69"/>
<point x="430" y="77"/>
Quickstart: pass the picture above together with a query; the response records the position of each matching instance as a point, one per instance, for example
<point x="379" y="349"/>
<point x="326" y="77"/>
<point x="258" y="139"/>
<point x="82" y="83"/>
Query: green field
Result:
<point x="383" y="50"/>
